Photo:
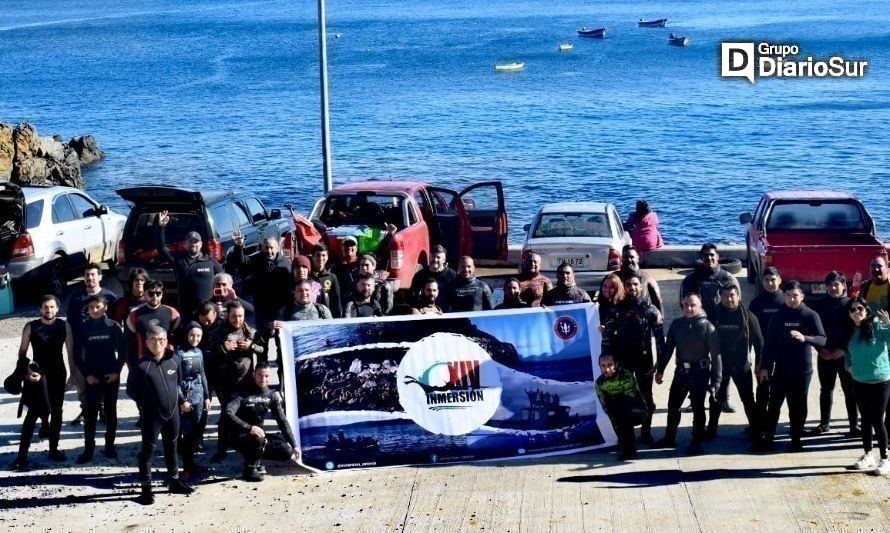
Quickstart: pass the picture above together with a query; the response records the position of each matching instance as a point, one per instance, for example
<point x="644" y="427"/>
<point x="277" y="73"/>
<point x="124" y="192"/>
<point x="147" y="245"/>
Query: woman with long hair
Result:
<point x="611" y="292"/>
<point x="868" y="363"/>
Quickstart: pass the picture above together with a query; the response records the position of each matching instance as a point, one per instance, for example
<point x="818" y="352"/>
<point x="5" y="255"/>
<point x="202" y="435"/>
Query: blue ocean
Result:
<point x="225" y="94"/>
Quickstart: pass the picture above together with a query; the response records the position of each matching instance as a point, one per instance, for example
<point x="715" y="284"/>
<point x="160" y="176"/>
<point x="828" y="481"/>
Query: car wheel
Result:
<point x="733" y="266"/>
<point x="57" y="280"/>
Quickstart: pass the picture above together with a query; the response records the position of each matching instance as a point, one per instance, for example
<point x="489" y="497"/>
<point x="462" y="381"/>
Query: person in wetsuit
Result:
<point x="739" y="333"/>
<point x="196" y="392"/>
<point x="630" y="265"/>
<point x="101" y="358"/>
<point x="566" y="291"/>
<point x="620" y="397"/>
<point x="698" y="370"/>
<point x="835" y="318"/>
<point x="156" y="388"/>
<point x="628" y="331"/>
<point x="245" y="413"/>
<point x="512" y="295"/>
<point x="764" y="306"/>
<point x="46" y="336"/>
<point x="787" y="362"/>
<point x="194" y="270"/>
<point x="467" y="292"/>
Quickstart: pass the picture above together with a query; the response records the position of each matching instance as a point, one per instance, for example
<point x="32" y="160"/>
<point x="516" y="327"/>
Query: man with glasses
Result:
<point x="155" y="385"/>
<point x="566" y="291"/>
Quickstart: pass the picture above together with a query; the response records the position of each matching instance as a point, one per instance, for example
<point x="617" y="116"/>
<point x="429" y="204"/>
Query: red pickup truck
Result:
<point x="806" y="234"/>
<point x="470" y="222"/>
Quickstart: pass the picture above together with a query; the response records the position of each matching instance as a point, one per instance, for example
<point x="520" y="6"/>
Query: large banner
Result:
<point x="455" y="388"/>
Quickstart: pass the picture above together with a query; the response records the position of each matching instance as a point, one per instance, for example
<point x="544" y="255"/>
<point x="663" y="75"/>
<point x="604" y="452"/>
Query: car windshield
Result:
<point x="816" y="216"/>
<point x="363" y="209"/>
<point x="572" y="225"/>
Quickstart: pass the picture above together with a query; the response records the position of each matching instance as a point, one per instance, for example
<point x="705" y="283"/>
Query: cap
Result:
<point x="303" y="261"/>
<point x="350" y="239"/>
<point x="193" y="236"/>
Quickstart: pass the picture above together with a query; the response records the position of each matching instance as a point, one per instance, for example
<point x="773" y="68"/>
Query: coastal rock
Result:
<point x="87" y="149"/>
<point x="7" y="151"/>
<point x="29" y="159"/>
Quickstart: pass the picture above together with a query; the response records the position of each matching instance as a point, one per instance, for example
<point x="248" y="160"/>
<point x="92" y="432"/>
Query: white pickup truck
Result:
<point x="48" y="234"/>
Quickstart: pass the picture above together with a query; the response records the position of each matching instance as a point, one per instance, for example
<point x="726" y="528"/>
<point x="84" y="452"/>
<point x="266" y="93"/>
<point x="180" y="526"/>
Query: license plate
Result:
<point x="818" y="288"/>
<point x="571" y="260"/>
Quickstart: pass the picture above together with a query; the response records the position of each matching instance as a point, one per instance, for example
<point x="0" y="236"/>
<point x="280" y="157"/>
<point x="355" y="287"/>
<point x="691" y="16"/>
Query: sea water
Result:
<point x="225" y="94"/>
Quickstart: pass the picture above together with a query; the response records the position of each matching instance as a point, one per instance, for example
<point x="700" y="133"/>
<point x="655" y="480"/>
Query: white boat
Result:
<point x="509" y="66"/>
<point x="565" y="47"/>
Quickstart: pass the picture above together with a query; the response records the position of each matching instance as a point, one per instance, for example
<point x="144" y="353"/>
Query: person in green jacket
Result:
<point x="868" y="361"/>
<point x="620" y="397"/>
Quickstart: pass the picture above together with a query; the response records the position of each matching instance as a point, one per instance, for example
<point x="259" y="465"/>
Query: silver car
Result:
<point x="48" y="234"/>
<point x="588" y="236"/>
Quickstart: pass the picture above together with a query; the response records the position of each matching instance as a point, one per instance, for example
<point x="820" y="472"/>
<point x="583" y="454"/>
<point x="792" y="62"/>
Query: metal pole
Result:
<point x="325" y="113"/>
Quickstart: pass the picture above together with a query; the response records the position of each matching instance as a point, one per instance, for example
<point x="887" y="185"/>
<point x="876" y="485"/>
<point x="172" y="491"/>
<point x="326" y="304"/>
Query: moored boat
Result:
<point x="509" y="66"/>
<point x="677" y="40"/>
<point x="656" y="23"/>
<point x="565" y="47"/>
<point x="594" y="33"/>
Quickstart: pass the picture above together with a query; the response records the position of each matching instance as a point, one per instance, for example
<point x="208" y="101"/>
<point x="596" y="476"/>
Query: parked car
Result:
<point x="588" y="236"/>
<point x="471" y="222"/>
<point x="50" y="233"/>
<point x="215" y="215"/>
<point x="807" y="234"/>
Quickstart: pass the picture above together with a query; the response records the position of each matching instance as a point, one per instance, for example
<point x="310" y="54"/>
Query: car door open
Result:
<point x="486" y="210"/>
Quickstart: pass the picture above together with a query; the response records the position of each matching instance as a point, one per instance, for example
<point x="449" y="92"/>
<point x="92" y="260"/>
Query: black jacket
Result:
<point x="194" y="275"/>
<point x="248" y="408"/>
<point x="155" y="386"/>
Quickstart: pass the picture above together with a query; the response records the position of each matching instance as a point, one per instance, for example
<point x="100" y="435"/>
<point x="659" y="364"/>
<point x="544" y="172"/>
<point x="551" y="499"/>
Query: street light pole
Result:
<point x="325" y="113"/>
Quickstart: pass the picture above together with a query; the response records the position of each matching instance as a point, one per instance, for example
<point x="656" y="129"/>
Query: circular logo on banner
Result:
<point x="448" y="384"/>
<point x="565" y="327"/>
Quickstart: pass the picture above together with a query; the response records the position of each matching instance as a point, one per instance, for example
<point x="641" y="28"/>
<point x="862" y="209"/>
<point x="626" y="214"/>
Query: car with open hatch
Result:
<point x="48" y="234"/>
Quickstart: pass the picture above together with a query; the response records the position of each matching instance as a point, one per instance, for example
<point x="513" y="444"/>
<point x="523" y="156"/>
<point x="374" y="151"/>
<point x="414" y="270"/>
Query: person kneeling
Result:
<point x="620" y="397"/>
<point x="245" y="413"/>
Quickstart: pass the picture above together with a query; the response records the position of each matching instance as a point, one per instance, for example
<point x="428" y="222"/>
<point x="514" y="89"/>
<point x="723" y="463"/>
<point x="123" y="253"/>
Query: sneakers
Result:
<point x="883" y="468"/>
<point x="57" y="455"/>
<point x="866" y="462"/>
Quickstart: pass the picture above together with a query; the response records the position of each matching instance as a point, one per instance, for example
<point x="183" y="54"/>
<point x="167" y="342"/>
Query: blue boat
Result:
<point x="656" y="23"/>
<point x="597" y="33"/>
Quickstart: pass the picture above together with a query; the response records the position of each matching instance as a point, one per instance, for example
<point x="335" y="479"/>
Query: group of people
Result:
<point x="766" y="349"/>
<point x="179" y="357"/>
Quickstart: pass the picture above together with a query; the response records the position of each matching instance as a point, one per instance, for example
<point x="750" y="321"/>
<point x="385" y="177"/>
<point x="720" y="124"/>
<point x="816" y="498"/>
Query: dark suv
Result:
<point x="216" y="215"/>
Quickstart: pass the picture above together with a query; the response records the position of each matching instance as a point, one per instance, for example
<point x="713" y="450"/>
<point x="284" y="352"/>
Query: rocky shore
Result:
<point x="27" y="158"/>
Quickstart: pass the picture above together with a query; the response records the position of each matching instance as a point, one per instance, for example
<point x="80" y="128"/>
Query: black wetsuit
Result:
<point x="269" y="280"/>
<point x="838" y="328"/>
<point x="739" y="331"/>
<point x="194" y="275"/>
<point x="469" y="295"/>
<point x="248" y="408"/>
<point x="102" y="352"/>
<point x="707" y="283"/>
<point x="47" y="341"/>
<point x="764" y="307"/>
<point x="565" y="295"/>
<point x="649" y="283"/>
<point x="444" y="278"/>
<point x="155" y="386"/>
<point x="235" y="369"/>
<point x="356" y="309"/>
<point x="629" y="328"/>
<point x="791" y="365"/>
<point x="698" y="370"/>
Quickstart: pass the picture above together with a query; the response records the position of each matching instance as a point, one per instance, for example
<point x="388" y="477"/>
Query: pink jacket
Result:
<point x="644" y="232"/>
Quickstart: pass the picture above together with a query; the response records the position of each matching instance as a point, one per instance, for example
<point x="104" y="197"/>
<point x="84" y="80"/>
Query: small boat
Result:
<point x="657" y="23"/>
<point x="676" y="40"/>
<point x="565" y="47"/>
<point x="509" y="66"/>
<point x="596" y="33"/>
